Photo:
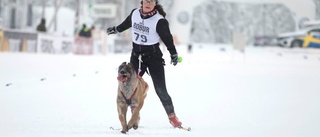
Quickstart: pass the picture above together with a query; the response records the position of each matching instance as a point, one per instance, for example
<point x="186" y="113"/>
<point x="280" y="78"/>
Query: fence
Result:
<point x="33" y="42"/>
<point x="54" y="44"/>
<point x="16" y="41"/>
<point x="84" y="45"/>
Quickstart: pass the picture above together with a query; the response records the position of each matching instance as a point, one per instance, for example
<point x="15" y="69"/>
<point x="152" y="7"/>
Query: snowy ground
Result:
<point x="218" y="92"/>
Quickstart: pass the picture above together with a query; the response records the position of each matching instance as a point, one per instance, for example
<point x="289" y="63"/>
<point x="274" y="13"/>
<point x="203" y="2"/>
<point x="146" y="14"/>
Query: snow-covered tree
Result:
<point x="215" y="21"/>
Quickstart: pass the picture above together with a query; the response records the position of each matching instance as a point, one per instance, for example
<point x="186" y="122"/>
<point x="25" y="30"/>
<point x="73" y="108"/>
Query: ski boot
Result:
<point x="174" y="121"/>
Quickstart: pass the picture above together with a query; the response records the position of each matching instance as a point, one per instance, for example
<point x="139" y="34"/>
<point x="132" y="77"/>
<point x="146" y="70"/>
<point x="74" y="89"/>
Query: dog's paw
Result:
<point x="135" y="127"/>
<point x="124" y="130"/>
<point x="129" y="127"/>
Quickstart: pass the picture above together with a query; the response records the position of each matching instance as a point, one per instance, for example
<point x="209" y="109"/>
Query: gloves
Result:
<point x="112" y="30"/>
<point x="174" y="59"/>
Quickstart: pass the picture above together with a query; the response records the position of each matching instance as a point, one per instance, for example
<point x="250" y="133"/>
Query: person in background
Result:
<point x="42" y="26"/>
<point x="149" y="25"/>
<point x="85" y="31"/>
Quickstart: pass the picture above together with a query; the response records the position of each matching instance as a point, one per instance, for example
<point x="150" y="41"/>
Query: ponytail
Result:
<point x="160" y="10"/>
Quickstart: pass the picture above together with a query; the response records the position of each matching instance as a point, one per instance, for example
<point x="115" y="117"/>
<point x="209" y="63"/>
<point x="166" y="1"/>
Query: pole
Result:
<point x="77" y="14"/>
<point x="43" y="14"/>
<point x="54" y="18"/>
<point x="13" y="17"/>
<point x="29" y="14"/>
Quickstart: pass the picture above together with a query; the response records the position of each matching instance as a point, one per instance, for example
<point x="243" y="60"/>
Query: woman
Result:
<point x="148" y="25"/>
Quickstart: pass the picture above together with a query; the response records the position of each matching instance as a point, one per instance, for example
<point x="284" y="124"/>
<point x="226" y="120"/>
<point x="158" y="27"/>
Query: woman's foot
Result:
<point x="174" y="121"/>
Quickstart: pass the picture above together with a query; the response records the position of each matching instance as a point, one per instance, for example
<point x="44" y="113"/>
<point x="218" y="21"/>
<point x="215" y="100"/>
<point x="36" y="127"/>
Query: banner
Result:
<point x="54" y="44"/>
<point x="105" y="10"/>
<point x="83" y="45"/>
<point x="239" y="41"/>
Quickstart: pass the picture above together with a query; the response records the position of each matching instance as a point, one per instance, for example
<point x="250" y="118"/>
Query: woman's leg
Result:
<point x="156" y="70"/>
<point x="157" y="73"/>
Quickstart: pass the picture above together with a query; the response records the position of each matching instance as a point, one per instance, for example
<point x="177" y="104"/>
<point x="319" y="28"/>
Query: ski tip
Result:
<point x="185" y="128"/>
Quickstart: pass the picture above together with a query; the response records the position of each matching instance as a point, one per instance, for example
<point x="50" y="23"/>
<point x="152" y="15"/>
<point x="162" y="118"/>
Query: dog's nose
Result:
<point x="122" y="72"/>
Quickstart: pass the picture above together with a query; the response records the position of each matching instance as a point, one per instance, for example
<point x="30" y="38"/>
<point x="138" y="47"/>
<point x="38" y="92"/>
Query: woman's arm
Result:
<point x="164" y="32"/>
<point x="126" y="24"/>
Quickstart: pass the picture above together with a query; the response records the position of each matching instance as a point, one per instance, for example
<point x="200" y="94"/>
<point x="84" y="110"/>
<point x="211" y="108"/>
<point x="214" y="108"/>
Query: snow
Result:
<point x="217" y="91"/>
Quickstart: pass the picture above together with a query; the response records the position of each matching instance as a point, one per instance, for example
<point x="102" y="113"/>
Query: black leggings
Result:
<point x="155" y="64"/>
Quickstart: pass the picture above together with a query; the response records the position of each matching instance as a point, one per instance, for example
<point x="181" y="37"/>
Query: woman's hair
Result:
<point x="160" y="9"/>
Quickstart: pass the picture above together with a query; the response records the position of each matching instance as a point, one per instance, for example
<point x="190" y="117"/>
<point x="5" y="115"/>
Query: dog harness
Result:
<point x="128" y="100"/>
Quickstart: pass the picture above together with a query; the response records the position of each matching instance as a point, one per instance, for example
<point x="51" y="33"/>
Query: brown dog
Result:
<point x="132" y="90"/>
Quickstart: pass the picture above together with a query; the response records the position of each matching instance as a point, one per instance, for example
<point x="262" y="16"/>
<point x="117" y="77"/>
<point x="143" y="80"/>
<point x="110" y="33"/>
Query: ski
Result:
<point x="111" y="128"/>
<point x="180" y="127"/>
<point x="184" y="128"/>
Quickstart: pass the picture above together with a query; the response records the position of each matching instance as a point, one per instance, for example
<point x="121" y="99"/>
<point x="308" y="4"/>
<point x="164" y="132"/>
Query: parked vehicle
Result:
<point x="308" y="24"/>
<point x="308" y="37"/>
<point x="265" y="41"/>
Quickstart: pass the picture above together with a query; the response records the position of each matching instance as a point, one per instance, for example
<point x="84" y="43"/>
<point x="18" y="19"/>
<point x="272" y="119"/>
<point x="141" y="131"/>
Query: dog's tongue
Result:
<point x="122" y="78"/>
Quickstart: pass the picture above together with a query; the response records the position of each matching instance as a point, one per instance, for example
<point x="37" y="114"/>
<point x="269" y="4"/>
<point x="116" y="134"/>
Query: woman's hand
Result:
<point x="174" y="59"/>
<point x="112" y="30"/>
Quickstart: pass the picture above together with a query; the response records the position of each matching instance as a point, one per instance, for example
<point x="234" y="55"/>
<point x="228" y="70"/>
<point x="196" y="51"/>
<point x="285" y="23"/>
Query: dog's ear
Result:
<point x="130" y="64"/>
<point x="124" y="63"/>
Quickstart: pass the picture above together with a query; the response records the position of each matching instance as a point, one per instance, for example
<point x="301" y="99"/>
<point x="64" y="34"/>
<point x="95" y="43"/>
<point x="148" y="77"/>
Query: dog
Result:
<point x="132" y="91"/>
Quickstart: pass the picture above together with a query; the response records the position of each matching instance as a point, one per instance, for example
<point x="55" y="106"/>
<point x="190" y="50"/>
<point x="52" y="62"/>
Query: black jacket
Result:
<point x="42" y="26"/>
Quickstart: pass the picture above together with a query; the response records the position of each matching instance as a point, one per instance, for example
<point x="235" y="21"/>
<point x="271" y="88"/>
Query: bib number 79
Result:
<point x="142" y="38"/>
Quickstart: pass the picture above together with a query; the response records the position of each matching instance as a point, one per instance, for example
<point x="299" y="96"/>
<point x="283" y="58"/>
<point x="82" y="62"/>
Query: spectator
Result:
<point x="42" y="26"/>
<point x="85" y="32"/>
